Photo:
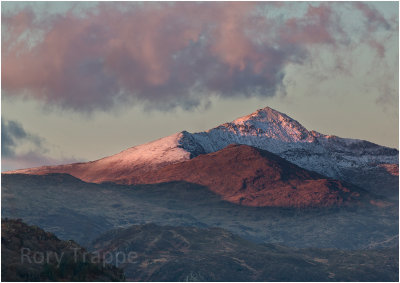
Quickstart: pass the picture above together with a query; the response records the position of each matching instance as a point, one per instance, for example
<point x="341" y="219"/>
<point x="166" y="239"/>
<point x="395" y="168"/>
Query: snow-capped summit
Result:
<point x="266" y="129"/>
<point x="271" y="123"/>
<point x="274" y="131"/>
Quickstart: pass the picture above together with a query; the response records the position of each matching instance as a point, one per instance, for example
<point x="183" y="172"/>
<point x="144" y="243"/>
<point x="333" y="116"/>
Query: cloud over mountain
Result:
<point x="160" y="54"/>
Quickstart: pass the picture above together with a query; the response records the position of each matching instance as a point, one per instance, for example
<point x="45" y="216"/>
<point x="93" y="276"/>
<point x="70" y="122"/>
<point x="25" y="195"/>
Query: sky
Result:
<point x="84" y="80"/>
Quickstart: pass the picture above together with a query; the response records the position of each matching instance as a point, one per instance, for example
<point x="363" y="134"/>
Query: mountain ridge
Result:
<point x="265" y="128"/>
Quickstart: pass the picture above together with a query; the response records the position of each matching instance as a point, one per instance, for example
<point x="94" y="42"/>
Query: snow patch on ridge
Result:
<point x="165" y="150"/>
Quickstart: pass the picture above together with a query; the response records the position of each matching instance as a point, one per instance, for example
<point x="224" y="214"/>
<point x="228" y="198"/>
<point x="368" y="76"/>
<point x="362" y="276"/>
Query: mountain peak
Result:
<point x="270" y="123"/>
<point x="263" y="114"/>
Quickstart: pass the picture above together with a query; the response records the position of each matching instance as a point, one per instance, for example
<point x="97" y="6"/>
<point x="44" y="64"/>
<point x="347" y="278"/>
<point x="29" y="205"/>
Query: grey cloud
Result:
<point x="13" y="135"/>
<point x="34" y="148"/>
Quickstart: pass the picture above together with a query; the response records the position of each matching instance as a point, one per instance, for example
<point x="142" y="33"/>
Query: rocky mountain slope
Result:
<point x="266" y="129"/>
<point x="30" y="254"/>
<point x="166" y="253"/>
<point x="250" y="176"/>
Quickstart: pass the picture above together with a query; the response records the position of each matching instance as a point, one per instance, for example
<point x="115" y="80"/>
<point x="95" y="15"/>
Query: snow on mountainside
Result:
<point x="266" y="128"/>
<point x="132" y="161"/>
<point x="271" y="130"/>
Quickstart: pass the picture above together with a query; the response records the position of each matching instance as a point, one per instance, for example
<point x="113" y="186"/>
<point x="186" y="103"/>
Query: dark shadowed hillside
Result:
<point x="30" y="254"/>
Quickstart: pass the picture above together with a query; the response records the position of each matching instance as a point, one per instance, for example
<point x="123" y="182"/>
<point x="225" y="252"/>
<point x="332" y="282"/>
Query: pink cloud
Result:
<point x="316" y="27"/>
<point x="156" y="53"/>
<point x="374" y="18"/>
<point x="379" y="47"/>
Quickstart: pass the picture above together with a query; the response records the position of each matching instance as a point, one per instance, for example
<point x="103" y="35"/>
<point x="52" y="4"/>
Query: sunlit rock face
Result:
<point x="266" y="129"/>
<point x="254" y="177"/>
<point x="392" y="169"/>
